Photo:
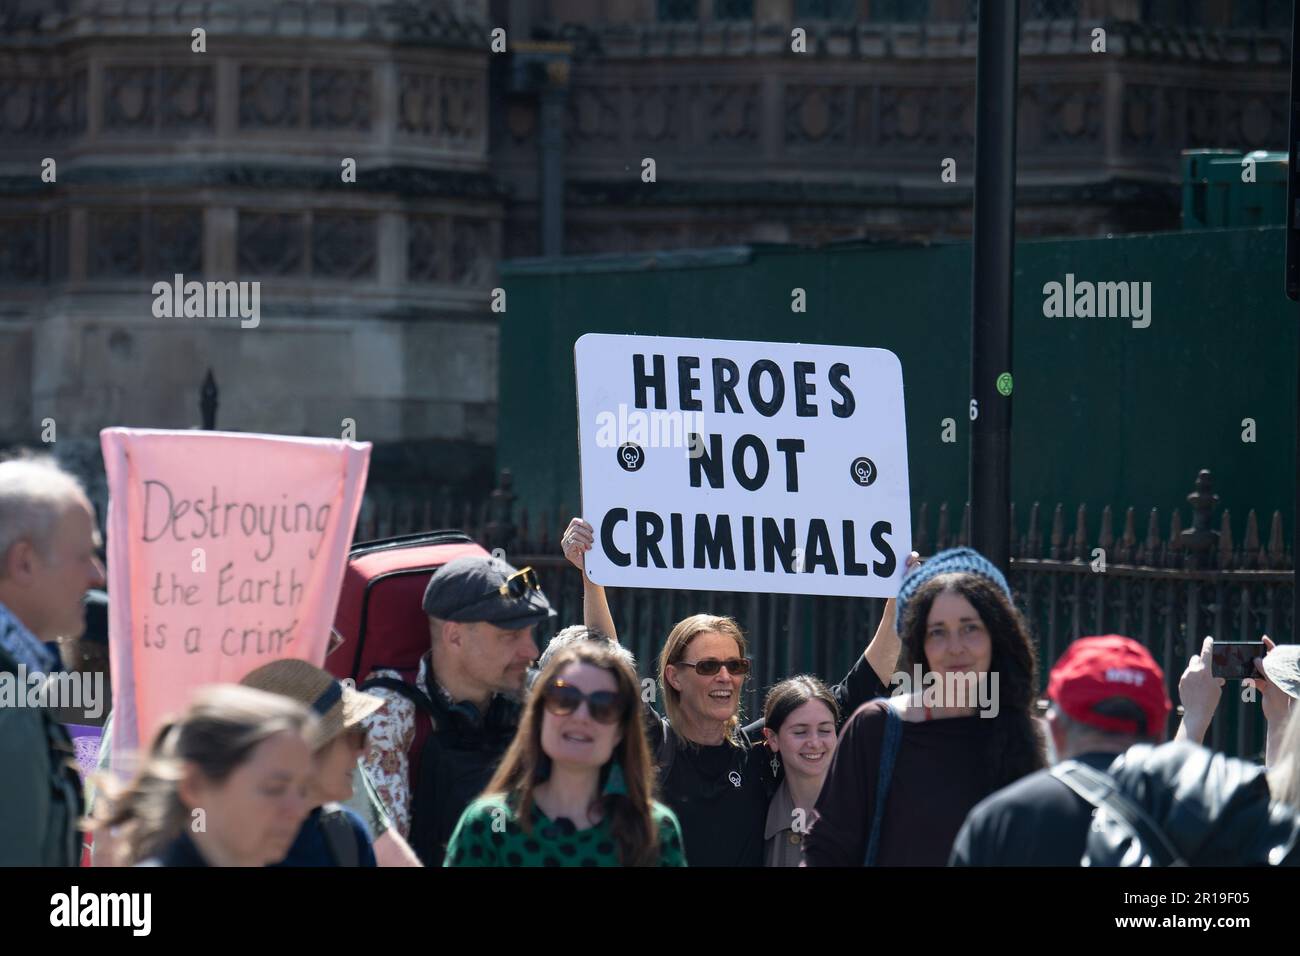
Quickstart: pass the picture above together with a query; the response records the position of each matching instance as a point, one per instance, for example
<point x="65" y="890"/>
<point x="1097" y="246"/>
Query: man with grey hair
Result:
<point x="48" y="561"/>
<point x="1107" y="693"/>
<point x="575" y="634"/>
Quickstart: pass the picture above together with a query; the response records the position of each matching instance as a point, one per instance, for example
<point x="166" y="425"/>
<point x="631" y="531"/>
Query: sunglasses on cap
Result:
<point x="605" y="706"/>
<point x="736" y="666"/>
<point x="516" y="586"/>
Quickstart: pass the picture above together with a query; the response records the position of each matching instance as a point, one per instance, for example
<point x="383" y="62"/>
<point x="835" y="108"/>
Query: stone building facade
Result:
<point x="755" y="142"/>
<point x="228" y="164"/>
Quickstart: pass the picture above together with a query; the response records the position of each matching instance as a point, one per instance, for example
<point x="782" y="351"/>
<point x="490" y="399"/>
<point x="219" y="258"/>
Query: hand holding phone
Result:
<point x="1235" y="660"/>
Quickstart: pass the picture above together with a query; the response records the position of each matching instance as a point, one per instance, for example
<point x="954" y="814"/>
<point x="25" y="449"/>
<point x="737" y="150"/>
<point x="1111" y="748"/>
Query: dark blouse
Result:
<point x="180" y="852"/>
<point x="938" y="777"/>
<point x="312" y="845"/>
<point x="310" y="848"/>
<point x="720" y="794"/>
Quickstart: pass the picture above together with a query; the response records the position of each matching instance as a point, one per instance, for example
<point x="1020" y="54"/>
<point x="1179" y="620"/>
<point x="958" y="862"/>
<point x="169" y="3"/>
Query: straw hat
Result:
<point x="337" y="706"/>
<point x="1282" y="667"/>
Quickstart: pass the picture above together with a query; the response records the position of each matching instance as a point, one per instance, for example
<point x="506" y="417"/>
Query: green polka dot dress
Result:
<point x="489" y="834"/>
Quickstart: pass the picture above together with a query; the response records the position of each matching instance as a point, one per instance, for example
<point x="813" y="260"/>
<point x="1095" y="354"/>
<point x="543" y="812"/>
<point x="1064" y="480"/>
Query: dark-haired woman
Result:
<point x="574" y="789"/>
<point x="800" y="715"/>
<point x="967" y="731"/>
<point x="225" y="785"/>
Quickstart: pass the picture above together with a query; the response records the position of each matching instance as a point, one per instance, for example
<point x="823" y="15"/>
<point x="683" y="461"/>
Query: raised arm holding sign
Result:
<point x="714" y="773"/>
<point x="742" y="466"/>
<point x="881" y="652"/>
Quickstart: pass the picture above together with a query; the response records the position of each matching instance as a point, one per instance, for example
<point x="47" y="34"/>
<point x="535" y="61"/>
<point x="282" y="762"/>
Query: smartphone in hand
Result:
<point x="1235" y="660"/>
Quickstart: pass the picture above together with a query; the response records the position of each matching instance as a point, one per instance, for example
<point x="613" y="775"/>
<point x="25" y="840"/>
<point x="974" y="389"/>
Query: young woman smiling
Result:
<point x="710" y="772"/>
<point x="574" y="789"/>
<point x="800" y="716"/>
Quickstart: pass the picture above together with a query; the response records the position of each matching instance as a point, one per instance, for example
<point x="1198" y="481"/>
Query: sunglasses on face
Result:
<point x="736" y="666"/>
<point x="605" y="706"/>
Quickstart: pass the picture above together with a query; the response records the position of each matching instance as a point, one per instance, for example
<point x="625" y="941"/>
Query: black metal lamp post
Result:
<point x="993" y="260"/>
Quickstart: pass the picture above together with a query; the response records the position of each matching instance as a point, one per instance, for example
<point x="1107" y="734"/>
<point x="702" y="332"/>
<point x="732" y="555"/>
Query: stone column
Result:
<point x="550" y="138"/>
<point x="391" y="251"/>
<point x="220" y="226"/>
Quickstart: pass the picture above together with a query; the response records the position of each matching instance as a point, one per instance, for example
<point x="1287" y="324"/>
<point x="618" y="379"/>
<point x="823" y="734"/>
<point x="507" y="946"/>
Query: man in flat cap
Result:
<point x="439" y="740"/>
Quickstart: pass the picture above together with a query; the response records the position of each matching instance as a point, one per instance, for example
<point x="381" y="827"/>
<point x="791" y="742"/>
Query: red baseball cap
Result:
<point x="1095" y="668"/>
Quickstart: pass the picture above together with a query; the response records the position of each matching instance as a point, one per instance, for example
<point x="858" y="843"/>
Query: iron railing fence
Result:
<point x="1165" y="590"/>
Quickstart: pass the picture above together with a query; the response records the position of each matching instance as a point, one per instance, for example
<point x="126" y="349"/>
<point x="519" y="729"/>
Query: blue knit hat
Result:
<point x="952" y="561"/>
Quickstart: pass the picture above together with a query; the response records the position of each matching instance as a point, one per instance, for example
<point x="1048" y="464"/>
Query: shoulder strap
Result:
<point x="412" y="693"/>
<point x="888" y="753"/>
<point x="339" y="836"/>
<point x="666" y="751"/>
<point x="1101" y="790"/>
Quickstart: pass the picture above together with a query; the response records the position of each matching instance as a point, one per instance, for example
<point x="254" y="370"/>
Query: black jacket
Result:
<point x="457" y="759"/>
<point x="1036" y="821"/>
<point x="181" y="851"/>
<point x="1214" y="809"/>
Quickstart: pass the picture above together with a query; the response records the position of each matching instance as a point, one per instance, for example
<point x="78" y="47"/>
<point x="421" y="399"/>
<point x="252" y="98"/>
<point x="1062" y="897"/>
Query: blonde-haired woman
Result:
<point x="1280" y="687"/>
<point x="1284" y="775"/>
<point x="714" y="773"/>
<point x="575" y="788"/>
<point x="224" y="785"/>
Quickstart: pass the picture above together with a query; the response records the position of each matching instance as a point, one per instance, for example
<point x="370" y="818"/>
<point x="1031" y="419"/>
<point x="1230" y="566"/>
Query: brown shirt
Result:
<point x="938" y="777"/>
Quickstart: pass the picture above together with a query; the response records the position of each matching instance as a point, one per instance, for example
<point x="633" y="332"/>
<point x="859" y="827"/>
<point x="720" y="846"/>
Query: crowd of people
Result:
<point x="502" y="753"/>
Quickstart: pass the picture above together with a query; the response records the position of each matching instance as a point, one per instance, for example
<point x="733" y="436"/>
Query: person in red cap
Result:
<point x="1107" y="694"/>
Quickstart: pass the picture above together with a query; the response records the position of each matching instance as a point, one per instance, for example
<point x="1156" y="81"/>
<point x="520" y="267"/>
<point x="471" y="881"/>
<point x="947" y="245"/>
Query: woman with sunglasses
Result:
<point x="574" y="789"/>
<point x="332" y="834"/>
<point x="712" y="773"/>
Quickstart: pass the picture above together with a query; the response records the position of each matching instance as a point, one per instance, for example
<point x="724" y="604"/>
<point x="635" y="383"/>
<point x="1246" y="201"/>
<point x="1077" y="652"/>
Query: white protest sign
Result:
<point x="743" y="466"/>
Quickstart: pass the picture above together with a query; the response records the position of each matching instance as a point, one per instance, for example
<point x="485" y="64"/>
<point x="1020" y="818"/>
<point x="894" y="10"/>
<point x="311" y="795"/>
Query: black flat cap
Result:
<point x="466" y="590"/>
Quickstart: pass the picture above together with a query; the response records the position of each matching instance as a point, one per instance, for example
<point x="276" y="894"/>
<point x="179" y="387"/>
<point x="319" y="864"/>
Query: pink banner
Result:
<point x="225" y="551"/>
